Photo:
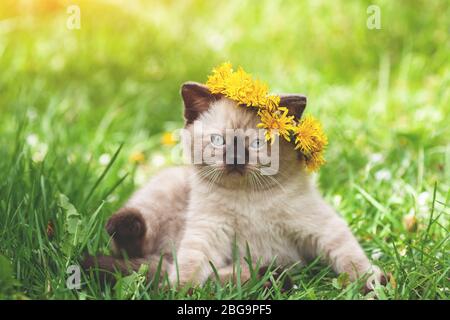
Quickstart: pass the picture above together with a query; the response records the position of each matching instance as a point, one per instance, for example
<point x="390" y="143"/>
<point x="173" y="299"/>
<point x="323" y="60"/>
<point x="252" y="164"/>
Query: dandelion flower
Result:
<point x="272" y="102"/>
<point x="136" y="157"/>
<point x="216" y="82"/>
<point x="168" y="139"/>
<point x="276" y="122"/>
<point x="309" y="136"/>
<point x="241" y="87"/>
<point x="311" y="141"/>
<point x="314" y="161"/>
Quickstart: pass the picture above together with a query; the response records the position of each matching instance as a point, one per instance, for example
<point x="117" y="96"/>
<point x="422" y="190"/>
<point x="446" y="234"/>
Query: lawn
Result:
<point x="87" y="116"/>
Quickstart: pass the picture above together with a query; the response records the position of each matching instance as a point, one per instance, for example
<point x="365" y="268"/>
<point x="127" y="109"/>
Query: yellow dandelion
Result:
<point x="309" y="136"/>
<point x="136" y="157"/>
<point x="272" y="102"/>
<point x="217" y="81"/>
<point x="259" y="96"/>
<point x="314" y="161"/>
<point x="237" y="86"/>
<point x="311" y="141"/>
<point x="276" y="122"/>
<point x="168" y="139"/>
<point x="241" y="87"/>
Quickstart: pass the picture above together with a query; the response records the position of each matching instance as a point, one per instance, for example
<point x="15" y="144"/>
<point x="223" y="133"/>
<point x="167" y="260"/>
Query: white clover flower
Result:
<point x="32" y="140"/>
<point x="383" y="175"/>
<point x="158" y="160"/>
<point x="422" y="199"/>
<point x="104" y="159"/>
<point x="376" y="158"/>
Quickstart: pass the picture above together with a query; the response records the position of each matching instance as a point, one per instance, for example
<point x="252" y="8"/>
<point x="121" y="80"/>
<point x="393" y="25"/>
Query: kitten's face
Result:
<point x="228" y="149"/>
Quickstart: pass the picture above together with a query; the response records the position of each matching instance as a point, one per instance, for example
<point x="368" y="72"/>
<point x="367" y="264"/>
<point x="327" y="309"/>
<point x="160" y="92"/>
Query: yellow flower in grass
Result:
<point x="276" y="121"/>
<point x="167" y="139"/>
<point x="136" y="157"/>
<point x="311" y="141"/>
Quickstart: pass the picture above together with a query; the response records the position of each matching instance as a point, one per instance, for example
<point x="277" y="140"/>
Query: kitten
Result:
<point x="202" y="211"/>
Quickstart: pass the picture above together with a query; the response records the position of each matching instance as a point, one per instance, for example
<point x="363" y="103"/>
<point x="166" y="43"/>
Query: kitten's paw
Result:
<point x="103" y="266"/>
<point x="376" y="277"/>
<point x="277" y="275"/>
<point x="127" y="228"/>
<point x="183" y="280"/>
<point x="178" y="282"/>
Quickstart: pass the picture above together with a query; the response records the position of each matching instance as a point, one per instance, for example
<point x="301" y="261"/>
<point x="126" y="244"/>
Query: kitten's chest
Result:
<point x="266" y="232"/>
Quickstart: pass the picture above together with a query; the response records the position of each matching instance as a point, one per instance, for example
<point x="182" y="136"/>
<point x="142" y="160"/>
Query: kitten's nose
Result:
<point x="239" y="163"/>
<point x="236" y="167"/>
<point x="239" y="158"/>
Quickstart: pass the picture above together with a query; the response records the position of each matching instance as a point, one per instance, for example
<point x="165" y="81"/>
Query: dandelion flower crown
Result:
<point x="239" y="86"/>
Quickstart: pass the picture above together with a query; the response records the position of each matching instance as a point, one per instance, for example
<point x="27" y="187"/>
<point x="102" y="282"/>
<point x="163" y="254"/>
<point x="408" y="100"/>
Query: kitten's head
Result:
<point x="226" y="147"/>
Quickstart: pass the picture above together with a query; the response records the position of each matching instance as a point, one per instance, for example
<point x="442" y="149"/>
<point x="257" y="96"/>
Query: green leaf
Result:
<point x="73" y="218"/>
<point x="72" y="223"/>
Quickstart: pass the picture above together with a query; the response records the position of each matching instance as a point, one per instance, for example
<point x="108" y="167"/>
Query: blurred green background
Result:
<point x="70" y="98"/>
<point x="117" y="78"/>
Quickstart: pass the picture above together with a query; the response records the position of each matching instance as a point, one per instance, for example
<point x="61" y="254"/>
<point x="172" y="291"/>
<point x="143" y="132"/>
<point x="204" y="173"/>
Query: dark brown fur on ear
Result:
<point x="197" y="99"/>
<point x="295" y="103"/>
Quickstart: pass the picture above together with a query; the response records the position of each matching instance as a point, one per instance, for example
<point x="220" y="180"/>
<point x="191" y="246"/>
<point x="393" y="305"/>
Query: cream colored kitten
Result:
<point x="200" y="211"/>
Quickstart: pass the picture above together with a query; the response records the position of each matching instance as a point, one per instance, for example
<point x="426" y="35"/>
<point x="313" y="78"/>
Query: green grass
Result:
<point x="75" y="104"/>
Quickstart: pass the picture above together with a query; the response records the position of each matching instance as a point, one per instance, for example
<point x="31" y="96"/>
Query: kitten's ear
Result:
<point x="295" y="103"/>
<point x="197" y="99"/>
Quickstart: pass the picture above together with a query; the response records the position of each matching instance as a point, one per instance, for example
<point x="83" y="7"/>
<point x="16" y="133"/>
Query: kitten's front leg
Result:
<point x="204" y="241"/>
<point x="328" y="236"/>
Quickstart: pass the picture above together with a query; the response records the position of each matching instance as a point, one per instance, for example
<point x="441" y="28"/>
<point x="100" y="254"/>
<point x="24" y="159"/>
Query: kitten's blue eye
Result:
<point x="217" y="140"/>
<point x="257" y="143"/>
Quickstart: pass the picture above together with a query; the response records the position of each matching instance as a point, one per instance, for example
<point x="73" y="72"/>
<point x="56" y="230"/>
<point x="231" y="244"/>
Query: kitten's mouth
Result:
<point x="235" y="177"/>
<point x="235" y="169"/>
